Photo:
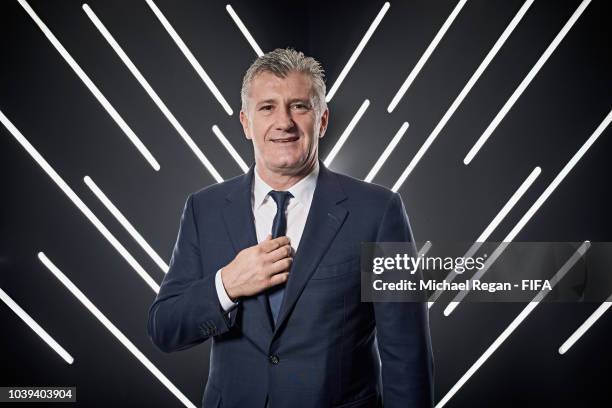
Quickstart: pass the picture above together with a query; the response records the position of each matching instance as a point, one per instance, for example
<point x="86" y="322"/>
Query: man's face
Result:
<point x="282" y="122"/>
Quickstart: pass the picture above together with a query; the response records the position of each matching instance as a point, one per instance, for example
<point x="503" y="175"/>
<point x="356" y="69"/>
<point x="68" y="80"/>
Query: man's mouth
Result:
<point x="285" y="139"/>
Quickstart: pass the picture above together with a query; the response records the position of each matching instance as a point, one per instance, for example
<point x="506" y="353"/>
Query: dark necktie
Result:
<point x="279" y="228"/>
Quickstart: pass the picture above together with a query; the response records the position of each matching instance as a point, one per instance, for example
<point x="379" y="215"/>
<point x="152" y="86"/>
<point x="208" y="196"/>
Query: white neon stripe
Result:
<point x="383" y="157"/>
<point x="425" y="248"/>
<point x="230" y="148"/>
<point x="190" y="57"/>
<point x="23" y="315"/>
<point x="125" y="223"/>
<point x="464" y="92"/>
<point x="485" y="356"/>
<point x="430" y="49"/>
<point x="92" y="87"/>
<point x="357" y="51"/>
<point x="113" y="329"/>
<point x="490" y="260"/>
<point x="244" y="30"/>
<point x="493" y="225"/>
<point x="78" y="202"/>
<point x="510" y="204"/>
<point x="450" y="308"/>
<point x="515" y="323"/>
<point x="535" y="207"/>
<point x="560" y="177"/>
<point x="525" y="83"/>
<point x="151" y="92"/>
<point x="584" y="327"/>
<point x="346" y="133"/>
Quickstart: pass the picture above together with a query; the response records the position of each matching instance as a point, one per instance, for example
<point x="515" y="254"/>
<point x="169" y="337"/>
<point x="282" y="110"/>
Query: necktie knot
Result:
<point x="279" y="227"/>
<point x="280" y="197"/>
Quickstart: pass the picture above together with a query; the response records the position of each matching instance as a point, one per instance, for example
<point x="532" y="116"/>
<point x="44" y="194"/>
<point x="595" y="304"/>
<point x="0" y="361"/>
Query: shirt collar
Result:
<point x="302" y="191"/>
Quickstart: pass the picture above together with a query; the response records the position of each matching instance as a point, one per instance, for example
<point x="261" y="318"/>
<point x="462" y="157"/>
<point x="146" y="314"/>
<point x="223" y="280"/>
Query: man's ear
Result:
<point x="324" y="122"/>
<point x="244" y="120"/>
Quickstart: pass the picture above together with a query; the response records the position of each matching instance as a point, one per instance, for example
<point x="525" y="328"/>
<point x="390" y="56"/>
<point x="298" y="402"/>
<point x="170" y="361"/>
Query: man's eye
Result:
<point x="266" y="107"/>
<point x="300" y="106"/>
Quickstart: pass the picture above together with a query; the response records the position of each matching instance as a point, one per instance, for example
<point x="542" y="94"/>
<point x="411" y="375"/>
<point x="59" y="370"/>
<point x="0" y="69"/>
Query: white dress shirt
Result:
<point x="264" y="211"/>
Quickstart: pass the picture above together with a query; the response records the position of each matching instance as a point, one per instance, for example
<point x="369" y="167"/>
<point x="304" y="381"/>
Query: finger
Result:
<point x="271" y="245"/>
<point x="280" y="266"/>
<point x="279" y="278"/>
<point x="279" y="253"/>
<point x="265" y="243"/>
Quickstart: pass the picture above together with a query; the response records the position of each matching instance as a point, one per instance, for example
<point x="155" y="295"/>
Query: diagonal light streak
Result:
<point x="27" y="319"/>
<point x="424" y="249"/>
<point x="357" y="51"/>
<point x="91" y="86"/>
<point x="334" y="151"/>
<point x="525" y="82"/>
<point x="510" y="204"/>
<point x="125" y="223"/>
<point x="584" y="327"/>
<point x="226" y="143"/>
<point x="464" y="92"/>
<point x="534" y="208"/>
<point x="515" y="323"/>
<point x="430" y="49"/>
<point x="501" y="215"/>
<point x="151" y="92"/>
<point x="244" y="30"/>
<point x="190" y="57"/>
<point x="383" y="157"/>
<point x="77" y="201"/>
<point x="113" y="329"/>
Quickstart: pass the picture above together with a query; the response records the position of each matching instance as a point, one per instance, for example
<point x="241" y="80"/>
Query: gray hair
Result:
<point x="281" y="62"/>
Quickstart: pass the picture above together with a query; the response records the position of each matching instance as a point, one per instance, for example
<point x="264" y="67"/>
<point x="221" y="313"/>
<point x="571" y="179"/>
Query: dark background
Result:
<point x="445" y="199"/>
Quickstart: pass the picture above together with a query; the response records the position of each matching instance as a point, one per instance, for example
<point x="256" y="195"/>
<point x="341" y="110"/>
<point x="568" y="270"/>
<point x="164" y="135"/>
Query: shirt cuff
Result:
<point x="224" y="299"/>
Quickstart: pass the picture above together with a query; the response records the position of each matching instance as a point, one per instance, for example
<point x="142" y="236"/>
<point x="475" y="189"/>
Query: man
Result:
<point x="267" y="265"/>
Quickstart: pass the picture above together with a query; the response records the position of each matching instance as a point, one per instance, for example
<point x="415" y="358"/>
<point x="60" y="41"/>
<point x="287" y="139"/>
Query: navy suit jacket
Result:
<point x="327" y="347"/>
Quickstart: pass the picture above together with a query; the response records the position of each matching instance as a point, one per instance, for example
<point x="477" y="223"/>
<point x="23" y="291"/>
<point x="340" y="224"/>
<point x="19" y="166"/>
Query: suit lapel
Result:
<point x="323" y="222"/>
<point x="238" y="218"/>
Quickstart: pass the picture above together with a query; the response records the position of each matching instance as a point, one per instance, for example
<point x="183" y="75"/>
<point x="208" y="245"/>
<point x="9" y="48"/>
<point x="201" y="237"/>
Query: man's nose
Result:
<point x="284" y="121"/>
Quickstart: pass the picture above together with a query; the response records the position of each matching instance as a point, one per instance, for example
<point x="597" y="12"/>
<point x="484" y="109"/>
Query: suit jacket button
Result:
<point x="274" y="359"/>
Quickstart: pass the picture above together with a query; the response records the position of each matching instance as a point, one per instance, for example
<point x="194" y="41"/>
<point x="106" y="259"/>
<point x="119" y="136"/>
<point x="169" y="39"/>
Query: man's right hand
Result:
<point x="258" y="268"/>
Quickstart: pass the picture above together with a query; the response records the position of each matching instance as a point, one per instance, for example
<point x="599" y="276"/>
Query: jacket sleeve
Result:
<point x="187" y="310"/>
<point x="402" y="331"/>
